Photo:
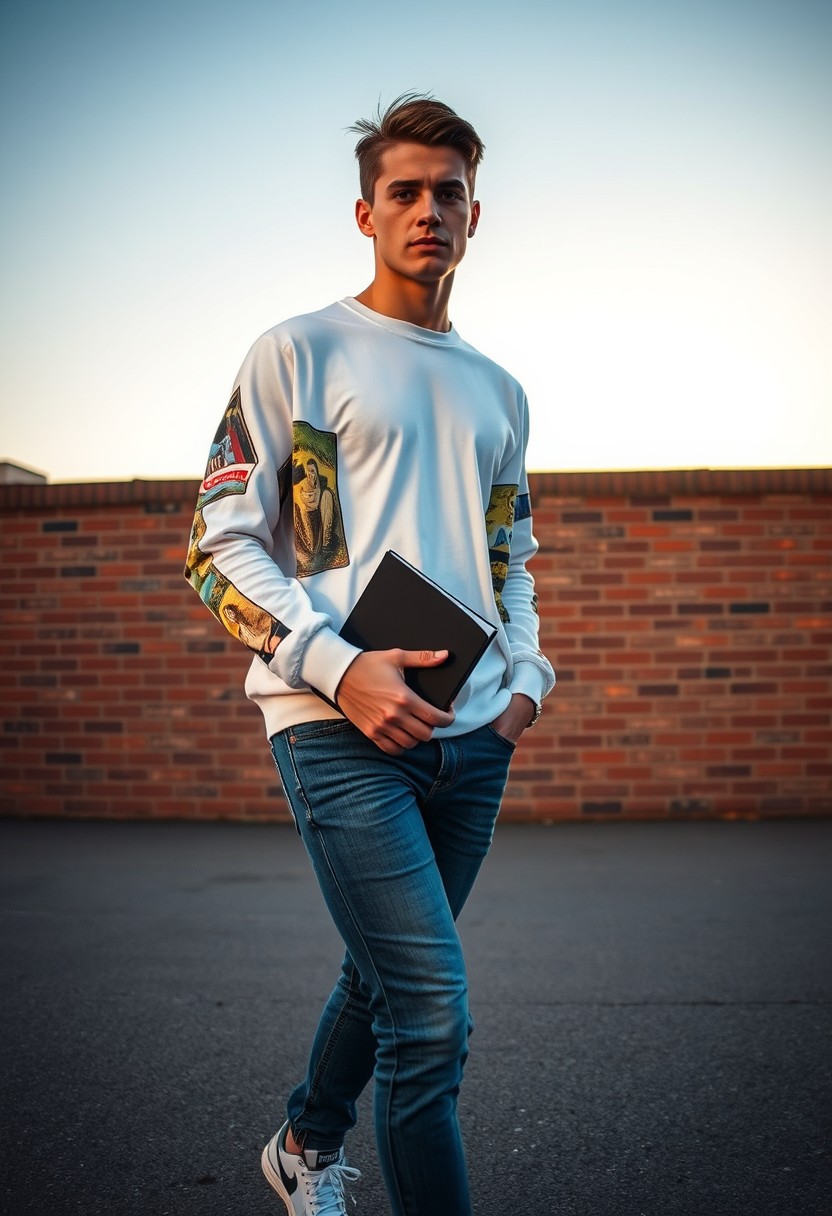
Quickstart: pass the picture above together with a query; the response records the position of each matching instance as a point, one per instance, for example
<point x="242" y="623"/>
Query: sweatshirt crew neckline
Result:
<point x="405" y="329"/>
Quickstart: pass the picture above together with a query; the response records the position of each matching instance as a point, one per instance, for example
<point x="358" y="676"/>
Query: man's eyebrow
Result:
<point x="415" y="182"/>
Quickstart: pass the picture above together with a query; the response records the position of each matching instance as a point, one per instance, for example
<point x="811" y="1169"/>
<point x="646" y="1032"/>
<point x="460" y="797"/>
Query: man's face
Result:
<point x="422" y="212"/>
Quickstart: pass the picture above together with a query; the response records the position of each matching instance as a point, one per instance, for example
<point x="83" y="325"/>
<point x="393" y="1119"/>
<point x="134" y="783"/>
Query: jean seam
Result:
<point x="330" y="1045"/>
<point x="299" y="790"/>
<point x="286" y="795"/>
<point x="383" y="993"/>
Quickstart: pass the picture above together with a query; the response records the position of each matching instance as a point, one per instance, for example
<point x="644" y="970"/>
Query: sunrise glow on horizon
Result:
<point x="653" y="260"/>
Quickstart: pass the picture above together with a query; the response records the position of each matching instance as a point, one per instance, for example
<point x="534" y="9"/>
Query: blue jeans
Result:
<point x="396" y="843"/>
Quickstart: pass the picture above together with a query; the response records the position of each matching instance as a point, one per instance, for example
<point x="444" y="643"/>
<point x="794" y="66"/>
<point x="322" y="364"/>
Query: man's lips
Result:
<point x="432" y="242"/>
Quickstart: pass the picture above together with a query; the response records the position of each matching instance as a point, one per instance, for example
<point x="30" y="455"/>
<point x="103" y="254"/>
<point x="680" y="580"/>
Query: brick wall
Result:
<point x="689" y="616"/>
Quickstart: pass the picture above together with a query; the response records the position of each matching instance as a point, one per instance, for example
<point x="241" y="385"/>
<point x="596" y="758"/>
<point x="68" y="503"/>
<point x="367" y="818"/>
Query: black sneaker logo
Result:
<point x="291" y="1184"/>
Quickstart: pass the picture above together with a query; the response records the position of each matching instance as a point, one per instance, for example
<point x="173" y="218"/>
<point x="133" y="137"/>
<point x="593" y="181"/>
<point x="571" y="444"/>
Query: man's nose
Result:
<point x="430" y="211"/>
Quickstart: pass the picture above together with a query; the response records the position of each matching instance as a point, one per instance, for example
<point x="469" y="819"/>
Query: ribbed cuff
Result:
<point x="530" y="680"/>
<point x="325" y="659"/>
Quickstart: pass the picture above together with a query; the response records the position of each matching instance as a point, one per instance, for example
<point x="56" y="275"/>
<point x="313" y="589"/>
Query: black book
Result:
<point x="401" y="607"/>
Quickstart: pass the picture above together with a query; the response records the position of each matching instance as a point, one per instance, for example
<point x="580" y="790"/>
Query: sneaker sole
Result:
<point x="274" y="1180"/>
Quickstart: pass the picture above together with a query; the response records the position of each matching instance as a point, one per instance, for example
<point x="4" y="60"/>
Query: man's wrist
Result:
<point x="521" y="702"/>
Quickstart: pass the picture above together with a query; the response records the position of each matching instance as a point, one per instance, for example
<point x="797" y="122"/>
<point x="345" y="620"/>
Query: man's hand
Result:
<point x="375" y="698"/>
<point x="515" y="717"/>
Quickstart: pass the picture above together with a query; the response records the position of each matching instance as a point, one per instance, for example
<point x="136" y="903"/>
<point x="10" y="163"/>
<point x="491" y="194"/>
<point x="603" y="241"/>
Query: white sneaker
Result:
<point x="310" y="1184"/>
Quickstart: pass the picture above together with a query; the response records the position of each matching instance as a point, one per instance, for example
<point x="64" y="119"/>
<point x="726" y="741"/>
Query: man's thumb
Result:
<point x="423" y="658"/>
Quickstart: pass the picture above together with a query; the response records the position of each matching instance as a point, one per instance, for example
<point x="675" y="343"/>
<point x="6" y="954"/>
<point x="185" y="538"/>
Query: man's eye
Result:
<point x="451" y="195"/>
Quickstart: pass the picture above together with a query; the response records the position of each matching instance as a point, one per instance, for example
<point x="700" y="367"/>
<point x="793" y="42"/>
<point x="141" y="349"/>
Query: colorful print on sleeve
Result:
<point x="320" y="543"/>
<point x="499" y="521"/>
<point x="252" y="625"/>
<point x="232" y="457"/>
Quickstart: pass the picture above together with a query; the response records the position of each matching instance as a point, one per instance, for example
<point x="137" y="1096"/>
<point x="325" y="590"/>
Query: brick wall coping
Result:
<point x="629" y="483"/>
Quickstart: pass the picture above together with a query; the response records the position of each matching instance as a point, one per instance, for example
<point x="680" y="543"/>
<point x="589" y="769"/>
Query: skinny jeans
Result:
<point x="396" y="843"/>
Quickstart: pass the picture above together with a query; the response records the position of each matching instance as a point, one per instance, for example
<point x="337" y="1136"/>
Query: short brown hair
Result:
<point x="413" y="118"/>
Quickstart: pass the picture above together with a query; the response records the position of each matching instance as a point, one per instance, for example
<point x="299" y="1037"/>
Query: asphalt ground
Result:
<point x="653" y="1005"/>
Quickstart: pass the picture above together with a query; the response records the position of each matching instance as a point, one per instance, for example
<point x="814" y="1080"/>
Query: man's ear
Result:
<point x="364" y="217"/>
<point x="475" y="218"/>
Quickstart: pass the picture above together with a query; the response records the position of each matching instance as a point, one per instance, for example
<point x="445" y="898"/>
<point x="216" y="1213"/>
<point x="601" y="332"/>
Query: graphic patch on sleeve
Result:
<point x="320" y="543"/>
<point x="232" y="457"/>
<point x="499" y="521"/>
<point x="523" y="509"/>
<point x="251" y="624"/>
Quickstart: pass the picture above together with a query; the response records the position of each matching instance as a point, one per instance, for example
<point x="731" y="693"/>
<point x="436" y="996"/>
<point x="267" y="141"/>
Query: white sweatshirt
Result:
<point x="349" y="433"/>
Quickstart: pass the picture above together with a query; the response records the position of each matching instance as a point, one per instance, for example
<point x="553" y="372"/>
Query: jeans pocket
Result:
<point x="508" y="743"/>
<point x="320" y="763"/>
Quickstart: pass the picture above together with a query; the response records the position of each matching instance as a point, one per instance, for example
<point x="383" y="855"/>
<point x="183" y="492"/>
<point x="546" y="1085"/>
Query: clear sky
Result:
<point x="653" y="260"/>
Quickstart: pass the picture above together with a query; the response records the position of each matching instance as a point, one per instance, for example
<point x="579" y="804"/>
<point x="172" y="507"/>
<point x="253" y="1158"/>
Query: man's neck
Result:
<point x="423" y="304"/>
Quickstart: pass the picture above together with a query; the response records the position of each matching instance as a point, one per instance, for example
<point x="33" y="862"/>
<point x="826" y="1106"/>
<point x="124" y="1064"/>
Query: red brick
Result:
<point x="627" y="606"/>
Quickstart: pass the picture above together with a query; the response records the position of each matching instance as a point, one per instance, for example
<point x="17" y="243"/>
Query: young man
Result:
<point x="365" y="427"/>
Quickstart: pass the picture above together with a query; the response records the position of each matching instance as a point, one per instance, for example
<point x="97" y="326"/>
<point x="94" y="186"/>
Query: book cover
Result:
<point x="401" y="607"/>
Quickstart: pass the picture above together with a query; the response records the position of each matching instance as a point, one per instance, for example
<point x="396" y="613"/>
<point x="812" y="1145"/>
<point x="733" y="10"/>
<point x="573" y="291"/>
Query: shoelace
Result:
<point x="324" y="1189"/>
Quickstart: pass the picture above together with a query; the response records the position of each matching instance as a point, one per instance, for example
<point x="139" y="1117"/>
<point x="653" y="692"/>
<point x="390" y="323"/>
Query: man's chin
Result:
<point x="433" y="271"/>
